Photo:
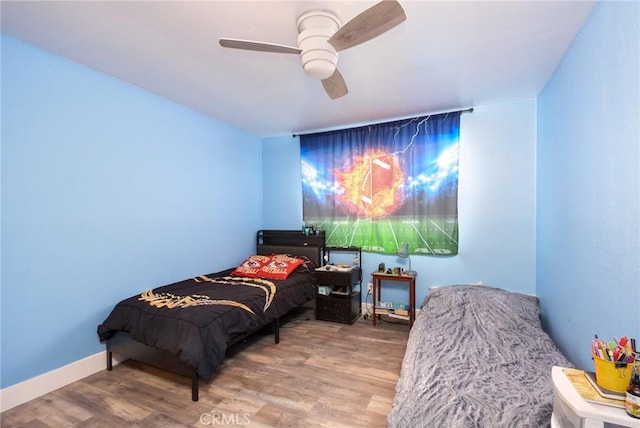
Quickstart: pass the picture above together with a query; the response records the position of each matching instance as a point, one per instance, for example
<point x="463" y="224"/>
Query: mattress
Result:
<point x="476" y="356"/>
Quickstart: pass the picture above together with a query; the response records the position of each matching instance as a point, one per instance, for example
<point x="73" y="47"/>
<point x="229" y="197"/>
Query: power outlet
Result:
<point x="369" y="288"/>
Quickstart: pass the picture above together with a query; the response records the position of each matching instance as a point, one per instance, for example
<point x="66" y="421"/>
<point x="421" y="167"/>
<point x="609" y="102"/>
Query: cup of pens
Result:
<point x="614" y="362"/>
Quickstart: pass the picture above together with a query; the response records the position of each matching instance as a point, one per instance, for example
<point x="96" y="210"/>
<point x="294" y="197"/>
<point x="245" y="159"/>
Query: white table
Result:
<point x="571" y="410"/>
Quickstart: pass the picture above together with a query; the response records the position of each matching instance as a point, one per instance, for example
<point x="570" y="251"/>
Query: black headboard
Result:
<point x="292" y="242"/>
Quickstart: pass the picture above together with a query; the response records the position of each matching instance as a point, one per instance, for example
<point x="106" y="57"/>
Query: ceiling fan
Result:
<point x="320" y="38"/>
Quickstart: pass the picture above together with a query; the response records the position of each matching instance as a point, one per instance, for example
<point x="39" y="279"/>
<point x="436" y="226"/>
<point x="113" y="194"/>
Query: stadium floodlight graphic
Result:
<point x="399" y="186"/>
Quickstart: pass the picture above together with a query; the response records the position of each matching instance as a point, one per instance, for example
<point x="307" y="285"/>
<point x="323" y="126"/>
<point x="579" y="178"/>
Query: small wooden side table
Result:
<point x="409" y="280"/>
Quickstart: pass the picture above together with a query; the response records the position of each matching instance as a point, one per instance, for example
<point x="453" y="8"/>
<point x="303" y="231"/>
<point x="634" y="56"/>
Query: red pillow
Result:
<point x="279" y="267"/>
<point x="251" y="266"/>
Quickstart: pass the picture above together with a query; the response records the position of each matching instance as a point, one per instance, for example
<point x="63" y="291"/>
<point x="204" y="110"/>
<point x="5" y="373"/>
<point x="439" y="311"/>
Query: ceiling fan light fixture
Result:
<point x="318" y="57"/>
<point x="319" y="68"/>
<point x="321" y="36"/>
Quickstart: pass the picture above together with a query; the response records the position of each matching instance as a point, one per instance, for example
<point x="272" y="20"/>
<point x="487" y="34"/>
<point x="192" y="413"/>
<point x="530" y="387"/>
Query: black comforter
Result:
<point x="197" y="318"/>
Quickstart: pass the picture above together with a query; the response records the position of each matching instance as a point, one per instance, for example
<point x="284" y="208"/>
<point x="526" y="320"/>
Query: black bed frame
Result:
<point x="268" y="242"/>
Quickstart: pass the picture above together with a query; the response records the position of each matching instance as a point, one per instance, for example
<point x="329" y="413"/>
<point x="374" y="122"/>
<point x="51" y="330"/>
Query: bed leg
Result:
<point x="194" y="386"/>
<point x="109" y="360"/>
<point x="276" y="326"/>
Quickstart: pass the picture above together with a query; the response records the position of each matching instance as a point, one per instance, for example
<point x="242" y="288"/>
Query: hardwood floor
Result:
<point x="322" y="374"/>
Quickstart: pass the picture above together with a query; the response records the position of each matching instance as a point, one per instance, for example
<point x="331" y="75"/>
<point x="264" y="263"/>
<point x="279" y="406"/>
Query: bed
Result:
<point x="187" y="326"/>
<point x="476" y="357"/>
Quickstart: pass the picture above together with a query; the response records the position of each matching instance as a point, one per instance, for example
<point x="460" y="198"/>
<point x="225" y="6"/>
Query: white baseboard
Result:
<point x="38" y="386"/>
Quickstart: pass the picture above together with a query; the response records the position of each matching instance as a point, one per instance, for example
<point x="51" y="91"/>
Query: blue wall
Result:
<point x="106" y="190"/>
<point x="588" y="233"/>
<point x="496" y="203"/>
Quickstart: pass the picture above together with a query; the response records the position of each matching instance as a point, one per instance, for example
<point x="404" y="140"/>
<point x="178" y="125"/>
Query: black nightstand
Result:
<point x="343" y="302"/>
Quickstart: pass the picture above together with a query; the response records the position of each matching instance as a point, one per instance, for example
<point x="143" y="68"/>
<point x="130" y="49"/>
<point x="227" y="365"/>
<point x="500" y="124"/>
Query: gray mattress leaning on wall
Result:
<point x="476" y="357"/>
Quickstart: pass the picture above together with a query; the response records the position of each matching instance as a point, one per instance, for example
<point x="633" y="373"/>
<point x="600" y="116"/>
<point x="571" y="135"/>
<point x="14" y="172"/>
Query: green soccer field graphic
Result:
<point x="429" y="235"/>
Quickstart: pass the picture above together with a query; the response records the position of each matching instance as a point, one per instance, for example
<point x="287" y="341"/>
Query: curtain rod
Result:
<point x="467" y="110"/>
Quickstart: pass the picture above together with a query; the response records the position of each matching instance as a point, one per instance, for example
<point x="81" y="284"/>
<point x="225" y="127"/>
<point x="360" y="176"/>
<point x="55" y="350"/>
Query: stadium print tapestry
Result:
<point x="382" y="185"/>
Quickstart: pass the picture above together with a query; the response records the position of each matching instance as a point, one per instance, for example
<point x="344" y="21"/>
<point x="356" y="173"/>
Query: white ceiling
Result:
<point x="446" y="55"/>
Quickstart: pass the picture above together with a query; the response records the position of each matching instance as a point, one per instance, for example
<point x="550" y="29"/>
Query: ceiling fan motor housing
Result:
<point x="318" y="57"/>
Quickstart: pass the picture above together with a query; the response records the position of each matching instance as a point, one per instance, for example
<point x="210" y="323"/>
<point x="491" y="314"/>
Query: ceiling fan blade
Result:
<point x="258" y="46"/>
<point x="374" y="21"/>
<point x="335" y="85"/>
